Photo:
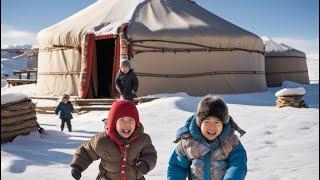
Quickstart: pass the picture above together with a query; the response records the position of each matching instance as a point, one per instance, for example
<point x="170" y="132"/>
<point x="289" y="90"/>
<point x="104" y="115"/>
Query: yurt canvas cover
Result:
<point x="174" y="45"/>
<point x="283" y="62"/>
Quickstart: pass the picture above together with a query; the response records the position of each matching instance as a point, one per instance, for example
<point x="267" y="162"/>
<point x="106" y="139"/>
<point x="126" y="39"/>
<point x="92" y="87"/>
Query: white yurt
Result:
<point x="284" y="63"/>
<point x="174" y="46"/>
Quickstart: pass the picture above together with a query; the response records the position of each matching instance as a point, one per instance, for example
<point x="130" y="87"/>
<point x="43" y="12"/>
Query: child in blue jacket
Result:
<point x="208" y="148"/>
<point x="66" y="108"/>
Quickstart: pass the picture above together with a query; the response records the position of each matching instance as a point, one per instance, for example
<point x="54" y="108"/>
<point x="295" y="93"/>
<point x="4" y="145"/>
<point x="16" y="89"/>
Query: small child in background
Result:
<point x="126" y="81"/>
<point x="208" y="148"/>
<point x="126" y="152"/>
<point x="65" y="108"/>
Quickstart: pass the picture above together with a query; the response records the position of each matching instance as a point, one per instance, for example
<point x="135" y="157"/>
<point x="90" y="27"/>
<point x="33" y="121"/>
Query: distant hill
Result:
<point x="25" y="46"/>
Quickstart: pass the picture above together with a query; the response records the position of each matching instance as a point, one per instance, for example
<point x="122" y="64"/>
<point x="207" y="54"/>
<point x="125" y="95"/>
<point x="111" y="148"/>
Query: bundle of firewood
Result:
<point x="18" y="117"/>
<point x="291" y="100"/>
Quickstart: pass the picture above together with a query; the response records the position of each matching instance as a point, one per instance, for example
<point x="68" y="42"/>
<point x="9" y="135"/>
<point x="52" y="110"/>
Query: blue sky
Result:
<point x="294" y="22"/>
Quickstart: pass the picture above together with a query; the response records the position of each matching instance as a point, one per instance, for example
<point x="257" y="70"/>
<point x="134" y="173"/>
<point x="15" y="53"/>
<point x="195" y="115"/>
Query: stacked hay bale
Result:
<point x="291" y="97"/>
<point x="18" y="116"/>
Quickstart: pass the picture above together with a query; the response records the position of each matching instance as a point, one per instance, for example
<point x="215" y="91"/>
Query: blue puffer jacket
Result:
<point x="181" y="166"/>
<point x="65" y="110"/>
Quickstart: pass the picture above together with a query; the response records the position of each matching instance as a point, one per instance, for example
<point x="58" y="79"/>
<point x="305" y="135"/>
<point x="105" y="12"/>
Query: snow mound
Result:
<point x="265" y="38"/>
<point x="28" y="89"/>
<point x="12" y="97"/>
<point x="291" y="91"/>
<point x="24" y="46"/>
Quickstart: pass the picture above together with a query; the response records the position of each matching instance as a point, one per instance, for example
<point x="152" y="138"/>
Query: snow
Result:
<point x="12" y="97"/>
<point x="291" y="91"/>
<point x="281" y="143"/>
<point x="28" y="89"/>
<point x="313" y="69"/>
<point x="265" y="38"/>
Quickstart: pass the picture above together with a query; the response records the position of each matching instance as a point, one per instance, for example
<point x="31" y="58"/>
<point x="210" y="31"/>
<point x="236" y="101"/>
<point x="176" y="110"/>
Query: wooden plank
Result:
<point x="44" y="112"/>
<point x="24" y="71"/>
<point x="45" y="97"/>
<point x="15" y="82"/>
<point x="93" y="101"/>
<point x="95" y="108"/>
<point x="52" y="108"/>
<point x="21" y="80"/>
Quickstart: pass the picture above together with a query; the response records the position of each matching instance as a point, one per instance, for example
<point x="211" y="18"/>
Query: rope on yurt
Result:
<point x="60" y="73"/>
<point x="285" y="56"/>
<point x="135" y="43"/>
<point x="60" y="47"/>
<point x="286" y="72"/>
<point x="198" y="74"/>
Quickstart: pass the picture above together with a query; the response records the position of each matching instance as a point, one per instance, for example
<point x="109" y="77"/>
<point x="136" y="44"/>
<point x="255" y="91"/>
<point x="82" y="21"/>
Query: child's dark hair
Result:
<point x="66" y="96"/>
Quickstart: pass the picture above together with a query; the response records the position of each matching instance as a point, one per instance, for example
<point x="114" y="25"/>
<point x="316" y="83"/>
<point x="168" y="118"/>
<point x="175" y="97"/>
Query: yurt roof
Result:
<point x="179" y="20"/>
<point x="273" y="48"/>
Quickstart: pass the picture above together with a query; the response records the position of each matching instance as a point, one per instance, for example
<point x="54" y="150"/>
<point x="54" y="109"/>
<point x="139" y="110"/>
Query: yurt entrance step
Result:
<point x="85" y="105"/>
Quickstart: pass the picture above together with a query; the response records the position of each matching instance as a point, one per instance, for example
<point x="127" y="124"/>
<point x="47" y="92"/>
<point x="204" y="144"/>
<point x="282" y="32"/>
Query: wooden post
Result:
<point x="28" y="74"/>
<point x="124" y="42"/>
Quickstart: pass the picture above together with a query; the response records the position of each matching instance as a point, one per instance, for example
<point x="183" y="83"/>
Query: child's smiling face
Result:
<point x="125" y="69"/>
<point x="65" y="100"/>
<point x="125" y="126"/>
<point x="211" y="128"/>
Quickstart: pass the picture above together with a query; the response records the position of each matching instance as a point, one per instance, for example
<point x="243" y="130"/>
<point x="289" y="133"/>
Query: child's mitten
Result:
<point x="76" y="172"/>
<point x="142" y="167"/>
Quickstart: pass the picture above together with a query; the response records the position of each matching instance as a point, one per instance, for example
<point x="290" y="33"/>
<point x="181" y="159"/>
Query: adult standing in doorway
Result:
<point x="126" y="81"/>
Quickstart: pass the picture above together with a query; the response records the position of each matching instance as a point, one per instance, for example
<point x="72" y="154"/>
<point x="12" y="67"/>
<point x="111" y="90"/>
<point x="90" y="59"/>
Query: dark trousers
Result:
<point x="68" y="121"/>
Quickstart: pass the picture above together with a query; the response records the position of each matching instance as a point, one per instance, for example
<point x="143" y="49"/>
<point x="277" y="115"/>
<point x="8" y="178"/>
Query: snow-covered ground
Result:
<point x="281" y="143"/>
<point x="313" y="68"/>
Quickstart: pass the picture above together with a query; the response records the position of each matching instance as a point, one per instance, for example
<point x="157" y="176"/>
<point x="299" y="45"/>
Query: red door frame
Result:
<point x="116" y="59"/>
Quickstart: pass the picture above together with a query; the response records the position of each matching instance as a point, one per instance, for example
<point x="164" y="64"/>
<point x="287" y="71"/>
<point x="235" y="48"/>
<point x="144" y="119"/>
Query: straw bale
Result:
<point x="23" y="125"/>
<point x="8" y="114"/>
<point x="17" y="119"/>
<point x="26" y="99"/>
<point x="20" y="106"/>
<point x="18" y="132"/>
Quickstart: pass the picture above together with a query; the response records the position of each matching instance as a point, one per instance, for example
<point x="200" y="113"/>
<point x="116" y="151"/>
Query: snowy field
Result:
<point x="281" y="143"/>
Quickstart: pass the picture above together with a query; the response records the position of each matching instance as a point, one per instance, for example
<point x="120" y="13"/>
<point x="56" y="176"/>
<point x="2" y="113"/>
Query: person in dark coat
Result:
<point x="126" y="81"/>
<point x="65" y="108"/>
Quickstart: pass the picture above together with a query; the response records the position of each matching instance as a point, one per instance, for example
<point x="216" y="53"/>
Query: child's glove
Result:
<point x="76" y="172"/>
<point x="142" y="167"/>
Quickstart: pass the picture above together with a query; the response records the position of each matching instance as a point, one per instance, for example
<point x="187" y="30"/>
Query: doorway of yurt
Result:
<point x="104" y="66"/>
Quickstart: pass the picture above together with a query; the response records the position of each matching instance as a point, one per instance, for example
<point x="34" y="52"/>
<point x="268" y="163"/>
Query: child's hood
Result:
<point x="191" y="128"/>
<point x="120" y="109"/>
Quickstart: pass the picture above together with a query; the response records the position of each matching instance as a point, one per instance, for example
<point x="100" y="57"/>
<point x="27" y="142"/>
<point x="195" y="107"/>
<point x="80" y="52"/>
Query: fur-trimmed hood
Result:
<point x="191" y="129"/>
